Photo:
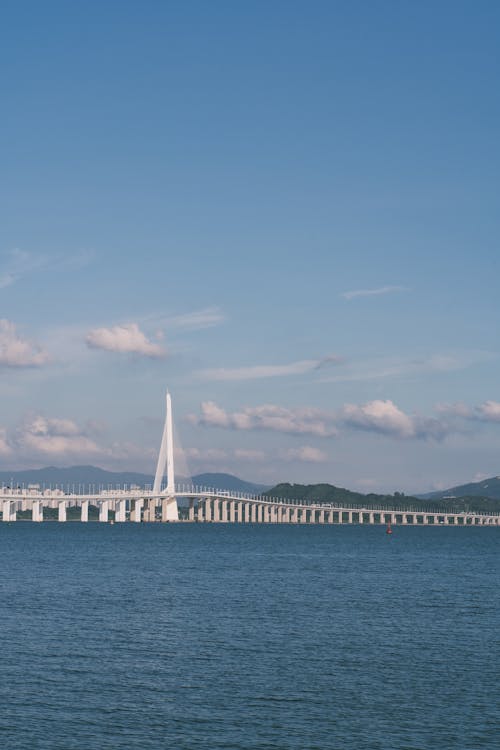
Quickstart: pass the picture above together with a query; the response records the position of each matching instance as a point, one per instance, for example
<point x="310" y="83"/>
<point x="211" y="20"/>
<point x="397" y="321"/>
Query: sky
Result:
<point x="284" y="212"/>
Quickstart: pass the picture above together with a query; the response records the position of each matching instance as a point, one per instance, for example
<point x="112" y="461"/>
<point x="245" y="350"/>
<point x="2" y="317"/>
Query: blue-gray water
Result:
<point x="248" y="637"/>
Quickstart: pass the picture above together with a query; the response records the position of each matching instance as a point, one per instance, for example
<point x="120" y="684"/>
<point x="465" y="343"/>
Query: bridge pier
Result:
<point x="191" y="509"/>
<point x="9" y="511"/>
<point x="216" y="514"/>
<point x="208" y="509"/>
<point x="37" y="511"/>
<point x="84" y="511"/>
<point x="61" y="512"/>
<point x="120" y="511"/>
<point x="103" y="511"/>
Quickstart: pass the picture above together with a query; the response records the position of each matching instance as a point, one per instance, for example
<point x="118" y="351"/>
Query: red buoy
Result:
<point x="388" y="529"/>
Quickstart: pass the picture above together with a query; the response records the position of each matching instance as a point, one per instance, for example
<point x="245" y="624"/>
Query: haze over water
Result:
<point x="248" y="637"/>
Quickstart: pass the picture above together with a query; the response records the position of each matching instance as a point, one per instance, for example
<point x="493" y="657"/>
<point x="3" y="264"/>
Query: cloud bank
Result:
<point x="16" y="351"/>
<point x="373" y="292"/>
<point x="268" y="371"/>
<point x="124" y="339"/>
<point x="383" y="417"/>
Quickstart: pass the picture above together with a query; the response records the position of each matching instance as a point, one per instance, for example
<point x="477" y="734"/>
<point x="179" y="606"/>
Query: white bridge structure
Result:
<point x="159" y="503"/>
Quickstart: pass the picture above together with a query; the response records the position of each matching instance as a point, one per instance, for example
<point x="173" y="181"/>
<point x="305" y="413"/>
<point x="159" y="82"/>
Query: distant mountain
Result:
<point x="486" y="488"/>
<point x="52" y="475"/>
<point x="228" y="482"/>
<point x="92" y="475"/>
<point x="328" y="493"/>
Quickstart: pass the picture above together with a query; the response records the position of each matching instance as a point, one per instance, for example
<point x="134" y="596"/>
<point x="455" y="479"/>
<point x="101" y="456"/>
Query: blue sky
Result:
<point x="286" y="212"/>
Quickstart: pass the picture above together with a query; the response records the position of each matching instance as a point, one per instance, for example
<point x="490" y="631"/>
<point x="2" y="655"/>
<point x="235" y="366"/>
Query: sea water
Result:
<point x="248" y="637"/>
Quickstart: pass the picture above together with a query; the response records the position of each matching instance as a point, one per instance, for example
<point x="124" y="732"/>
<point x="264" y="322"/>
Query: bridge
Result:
<point x="209" y="505"/>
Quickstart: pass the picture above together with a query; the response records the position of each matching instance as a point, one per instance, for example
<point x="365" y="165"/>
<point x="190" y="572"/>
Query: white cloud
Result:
<point x="388" y="419"/>
<point x="60" y="437"/>
<point x="16" y="264"/>
<point x="381" y="416"/>
<point x="489" y="411"/>
<point x="125" y="339"/>
<point x="398" y="367"/>
<point x="249" y="455"/>
<point x="373" y="292"/>
<point x="206" y="454"/>
<point x="267" y="417"/>
<point x="306" y="453"/>
<point x="5" y="449"/>
<point x="457" y="409"/>
<point x="196" y="320"/>
<point x="40" y="439"/>
<point x="18" y="352"/>
<point x="267" y="371"/>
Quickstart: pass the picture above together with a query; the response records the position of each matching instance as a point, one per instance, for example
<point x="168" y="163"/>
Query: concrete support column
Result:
<point x="446" y="520"/>
<point x="340" y="518"/>
<point x="191" y="509"/>
<point x="232" y="511"/>
<point x="425" y="519"/>
<point x="371" y="517"/>
<point x="150" y="510"/>
<point x="84" y="511"/>
<point x="216" y="507"/>
<point x="312" y="515"/>
<point x="266" y="514"/>
<point x="120" y="511"/>
<point x="349" y="516"/>
<point x="208" y="509"/>
<point x="404" y="519"/>
<point x="295" y="515"/>
<point x="393" y="518"/>
<point x="37" y="511"/>
<point x="8" y="511"/>
<point x="321" y="516"/>
<point x="200" y="510"/>
<point x="360" y="517"/>
<point x="137" y="514"/>
<point x="103" y="511"/>
<point x="253" y="513"/>
<point x="223" y="511"/>
<point x="61" y="512"/>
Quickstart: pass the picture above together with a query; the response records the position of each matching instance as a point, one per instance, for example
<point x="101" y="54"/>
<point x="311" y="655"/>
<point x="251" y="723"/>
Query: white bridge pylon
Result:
<point x="166" y="461"/>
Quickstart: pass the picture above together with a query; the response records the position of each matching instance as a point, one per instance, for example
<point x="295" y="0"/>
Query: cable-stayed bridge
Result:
<point x="160" y="503"/>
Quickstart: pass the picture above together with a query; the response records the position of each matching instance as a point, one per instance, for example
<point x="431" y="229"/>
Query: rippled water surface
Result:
<point x="256" y="637"/>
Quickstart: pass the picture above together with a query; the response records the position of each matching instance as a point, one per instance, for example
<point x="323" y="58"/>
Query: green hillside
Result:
<point x="485" y="488"/>
<point x="328" y="493"/>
